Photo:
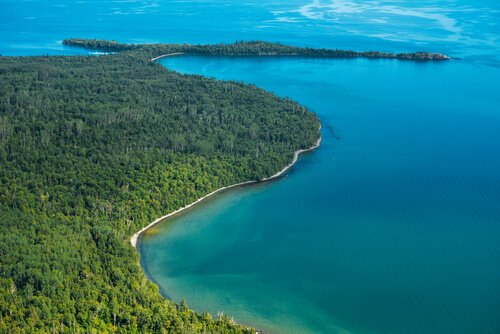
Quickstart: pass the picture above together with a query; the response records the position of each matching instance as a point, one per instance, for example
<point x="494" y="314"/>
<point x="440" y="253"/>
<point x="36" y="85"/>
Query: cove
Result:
<point x="391" y="226"/>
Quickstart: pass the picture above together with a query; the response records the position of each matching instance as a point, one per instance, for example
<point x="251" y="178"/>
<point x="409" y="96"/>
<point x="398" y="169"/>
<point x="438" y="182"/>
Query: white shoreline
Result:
<point x="167" y="55"/>
<point x="296" y="154"/>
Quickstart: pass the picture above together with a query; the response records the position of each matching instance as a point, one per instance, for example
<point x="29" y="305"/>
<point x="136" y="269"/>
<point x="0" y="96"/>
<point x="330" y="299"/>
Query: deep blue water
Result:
<point x="393" y="224"/>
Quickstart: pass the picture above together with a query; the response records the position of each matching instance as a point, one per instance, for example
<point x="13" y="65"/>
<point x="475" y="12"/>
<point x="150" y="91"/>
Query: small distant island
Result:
<point x="250" y="48"/>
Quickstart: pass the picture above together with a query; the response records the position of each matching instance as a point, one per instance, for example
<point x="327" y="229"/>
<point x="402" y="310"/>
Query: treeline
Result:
<point x="94" y="148"/>
<point x="251" y="48"/>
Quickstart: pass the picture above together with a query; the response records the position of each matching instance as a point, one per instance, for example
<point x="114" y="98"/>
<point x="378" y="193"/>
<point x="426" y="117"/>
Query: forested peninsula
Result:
<point x="92" y="149"/>
<point x="250" y="48"/>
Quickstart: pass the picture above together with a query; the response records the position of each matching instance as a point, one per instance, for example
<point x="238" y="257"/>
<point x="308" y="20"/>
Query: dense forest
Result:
<point x="251" y="48"/>
<point x="93" y="148"/>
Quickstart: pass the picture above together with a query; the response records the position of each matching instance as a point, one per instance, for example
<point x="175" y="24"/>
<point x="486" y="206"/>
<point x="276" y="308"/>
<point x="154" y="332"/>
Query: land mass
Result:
<point x="251" y="48"/>
<point x="92" y="150"/>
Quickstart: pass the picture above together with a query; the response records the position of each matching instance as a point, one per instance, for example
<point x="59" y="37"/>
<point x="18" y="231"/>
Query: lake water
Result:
<point x="393" y="224"/>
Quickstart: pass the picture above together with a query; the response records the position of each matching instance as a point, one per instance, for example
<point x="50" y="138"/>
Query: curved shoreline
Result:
<point x="430" y="57"/>
<point x="167" y="55"/>
<point x="296" y="154"/>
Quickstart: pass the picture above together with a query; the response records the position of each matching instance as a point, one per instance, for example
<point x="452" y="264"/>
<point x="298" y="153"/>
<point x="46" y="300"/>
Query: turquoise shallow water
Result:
<point x="393" y="224"/>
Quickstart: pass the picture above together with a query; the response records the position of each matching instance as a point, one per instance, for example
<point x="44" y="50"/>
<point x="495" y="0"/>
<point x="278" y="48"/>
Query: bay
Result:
<point x="391" y="226"/>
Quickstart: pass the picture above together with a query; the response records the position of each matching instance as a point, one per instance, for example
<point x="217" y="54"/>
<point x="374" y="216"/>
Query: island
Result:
<point x="246" y="48"/>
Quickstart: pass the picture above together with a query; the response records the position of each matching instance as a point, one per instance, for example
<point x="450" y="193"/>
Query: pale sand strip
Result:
<point x="296" y="154"/>
<point x="167" y="55"/>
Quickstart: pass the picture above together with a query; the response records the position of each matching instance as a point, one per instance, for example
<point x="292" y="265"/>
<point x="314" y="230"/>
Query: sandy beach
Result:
<point x="167" y="55"/>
